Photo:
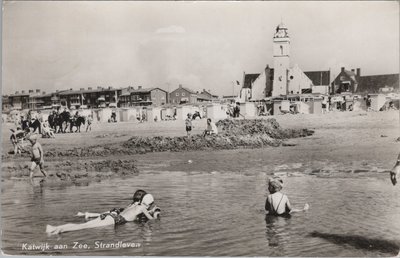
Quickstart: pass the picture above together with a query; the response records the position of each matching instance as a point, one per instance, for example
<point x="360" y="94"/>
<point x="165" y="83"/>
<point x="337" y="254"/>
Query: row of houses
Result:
<point x="283" y="79"/>
<point x="322" y="82"/>
<point x="102" y="97"/>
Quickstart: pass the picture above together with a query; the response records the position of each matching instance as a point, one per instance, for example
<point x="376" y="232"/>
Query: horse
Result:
<point x="35" y="124"/>
<point x="195" y="115"/>
<point x="62" y="121"/>
<point x="24" y="124"/>
<point x="77" y="122"/>
<point x="51" y="120"/>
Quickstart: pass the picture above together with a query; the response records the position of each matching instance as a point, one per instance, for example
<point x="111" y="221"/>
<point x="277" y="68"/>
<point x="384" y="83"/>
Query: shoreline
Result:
<point x="344" y="137"/>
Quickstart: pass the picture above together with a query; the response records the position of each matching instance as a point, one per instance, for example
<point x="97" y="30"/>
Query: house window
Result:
<point x="183" y="94"/>
<point x="177" y="94"/>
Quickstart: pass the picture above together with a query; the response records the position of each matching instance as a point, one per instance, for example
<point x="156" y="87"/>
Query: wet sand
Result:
<point x="344" y="137"/>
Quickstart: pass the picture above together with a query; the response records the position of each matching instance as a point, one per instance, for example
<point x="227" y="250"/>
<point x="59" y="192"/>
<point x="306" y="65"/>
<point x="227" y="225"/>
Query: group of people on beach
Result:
<point x="143" y="206"/>
<point x="211" y="128"/>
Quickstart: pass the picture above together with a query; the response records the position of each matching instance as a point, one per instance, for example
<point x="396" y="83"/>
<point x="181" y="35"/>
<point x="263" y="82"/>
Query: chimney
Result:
<point x="30" y="91"/>
<point x="23" y="92"/>
<point x="109" y="87"/>
<point x="358" y="72"/>
<point x="99" y="88"/>
<point x="37" y="91"/>
<point x="17" y="92"/>
<point x="353" y="70"/>
<point x="56" y="90"/>
<point x="180" y="85"/>
<point x="82" y="89"/>
<point x="89" y="88"/>
<point x="342" y="69"/>
<point x="70" y="89"/>
<point x="139" y="87"/>
<point x="43" y="92"/>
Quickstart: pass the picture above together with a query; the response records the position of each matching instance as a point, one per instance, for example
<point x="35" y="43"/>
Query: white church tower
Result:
<point x="281" y="51"/>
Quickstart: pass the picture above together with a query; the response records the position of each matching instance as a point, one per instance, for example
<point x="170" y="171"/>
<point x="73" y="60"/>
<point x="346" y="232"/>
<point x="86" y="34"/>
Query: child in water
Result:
<point x="278" y="203"/>
<point x="141" y="205"/>
<point x="37" y="156"/>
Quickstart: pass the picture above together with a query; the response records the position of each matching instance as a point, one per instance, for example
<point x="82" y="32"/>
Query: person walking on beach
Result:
<point x="278" y="203"/>
<point x="37" y="156"/>
<point x="395" y="172"/>
<point x="188" y="124"/>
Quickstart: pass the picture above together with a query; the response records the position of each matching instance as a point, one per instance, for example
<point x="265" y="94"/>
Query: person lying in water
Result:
<point x="395" y="172"/>
<point x="154" y="211"/>
<point x="141" y="205"/>
<point x="278" y="203"/>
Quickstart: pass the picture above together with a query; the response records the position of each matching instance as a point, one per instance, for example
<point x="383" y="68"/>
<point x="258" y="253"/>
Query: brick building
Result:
<point x="183" y="95"/>
<point x="149" y="96"/>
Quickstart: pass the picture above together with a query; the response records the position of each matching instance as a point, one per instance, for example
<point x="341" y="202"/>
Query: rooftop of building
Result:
<point x="249" y="79"/>
<point x="372" y="83"/>
<point x="319" y="77"/>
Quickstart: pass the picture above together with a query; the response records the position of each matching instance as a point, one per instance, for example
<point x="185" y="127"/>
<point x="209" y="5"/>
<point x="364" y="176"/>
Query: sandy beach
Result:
<point x="348" y="137"/>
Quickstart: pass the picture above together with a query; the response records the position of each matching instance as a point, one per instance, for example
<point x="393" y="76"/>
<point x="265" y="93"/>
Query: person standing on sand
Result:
<point x="188" y="123"/>
<point x="89" y="123"/>
<point x="37" y="156"/>
<point x="395" y="172"/>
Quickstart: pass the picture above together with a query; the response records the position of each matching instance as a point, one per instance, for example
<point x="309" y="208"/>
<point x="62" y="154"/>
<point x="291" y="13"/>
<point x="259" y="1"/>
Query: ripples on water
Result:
<point x="216" y="214"/>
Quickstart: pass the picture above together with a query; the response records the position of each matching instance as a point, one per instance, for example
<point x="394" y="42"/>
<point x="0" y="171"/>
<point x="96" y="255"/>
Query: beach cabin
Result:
<point x="127" y="114"/>
<point x="248" y="109"/>
<point x="276" y="110"/>
<point x="317" y="106"/>
<point x="217" y="111"/>
<point x="377" y="101"/>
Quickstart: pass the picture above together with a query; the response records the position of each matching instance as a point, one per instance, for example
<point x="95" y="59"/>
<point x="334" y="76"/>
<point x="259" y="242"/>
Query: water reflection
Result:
<point x="211" y="215"/>
<point x="276" y="226"/>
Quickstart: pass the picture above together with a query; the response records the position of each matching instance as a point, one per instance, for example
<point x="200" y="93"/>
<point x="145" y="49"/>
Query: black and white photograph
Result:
<point x="200" y="128"/>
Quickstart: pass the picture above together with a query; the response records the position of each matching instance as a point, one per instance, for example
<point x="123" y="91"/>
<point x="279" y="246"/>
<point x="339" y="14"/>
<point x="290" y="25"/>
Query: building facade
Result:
<point x="91" y="98"/>
<point x="147" y="97"/>
<point x="183" y="95"/>
<point x="279" y="80"/>
<point x="281" y="53"/>
<point x="346" y="81"/>
<point x="5" y="103"/>
<point x="19" y="100"/>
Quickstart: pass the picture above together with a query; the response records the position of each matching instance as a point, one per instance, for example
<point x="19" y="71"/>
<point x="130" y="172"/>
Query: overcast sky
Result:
<point x="205" y="45"/>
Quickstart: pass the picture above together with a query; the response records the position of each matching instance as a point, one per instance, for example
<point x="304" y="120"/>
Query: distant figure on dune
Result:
<point x="395" y="173"/>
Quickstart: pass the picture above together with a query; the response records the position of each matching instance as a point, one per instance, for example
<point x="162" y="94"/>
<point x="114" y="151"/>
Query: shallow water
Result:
<point x="214" y="206"/>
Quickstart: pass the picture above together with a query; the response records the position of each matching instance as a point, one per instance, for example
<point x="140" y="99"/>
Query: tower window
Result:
<point x="281" y="49"/>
